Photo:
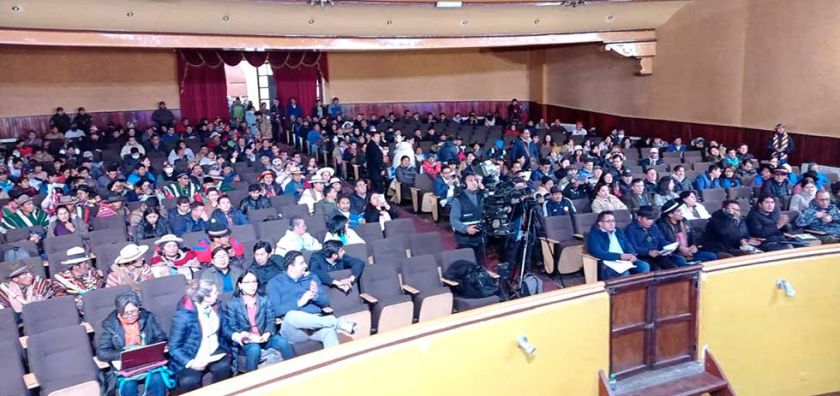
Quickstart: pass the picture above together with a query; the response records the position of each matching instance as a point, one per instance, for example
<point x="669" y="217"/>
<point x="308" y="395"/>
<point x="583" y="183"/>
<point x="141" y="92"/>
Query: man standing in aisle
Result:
<point x="465" y="217"/>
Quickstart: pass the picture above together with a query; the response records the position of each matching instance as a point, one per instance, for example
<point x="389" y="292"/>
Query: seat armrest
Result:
<point x="368" y="298"/>
<point x="102" y="365"/>
<point x="815" y="232"/>
<point x="549" y="240"/>
<point x="30" y="381"/>
<point x="578" y="236"/>
<point x="88" y="327"/>
<point x="493" y="274"/>
<point x="414" y="189"/>
<point x="46" y="263"/>
<point x="410" y="289"/>
<point x="278" y="321"/>
<point x="449" y="282"/>
<point x="327" y="310"/>
<point x="24" y="341"/>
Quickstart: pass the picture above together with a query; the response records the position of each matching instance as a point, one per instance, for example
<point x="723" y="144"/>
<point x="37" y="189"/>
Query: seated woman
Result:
<point x="222" y="272"/>
<point x="66" y="222"/>
<point x="250" y="323"/>
<point x="130" y="268"/>
<point x="151" y="226"/>
<point x="691" y="209"/>
<point x="130" y="326"/>
<point x="730" y="178"/>
<point x="171" y="259"/>
<point x="196" y="345"/>
<point x="78" y="276"/>
<point x="378" y="210"/>
<point x="801" y="200"/>
<point x="664" y="191"/>
<point x="339" y="230"/>
<point x="605" y="201"/>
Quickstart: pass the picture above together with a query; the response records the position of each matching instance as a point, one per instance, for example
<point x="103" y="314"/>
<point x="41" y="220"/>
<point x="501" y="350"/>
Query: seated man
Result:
<point x="27" y="215"/>
<point x="769" y="225"/>
<point x="445" y="184"/>
<point x="821" y="216"/>
<point x="727" y="234"/>
<point x="778" y="187"/>
<point x="78" y="276"/>
<point x="314" y="194"/>
<point x="557" y="204"/>
<point x="227" y="214"/>
<point x="296" y="238"/>
<point x="405" y="174"/>
<point x="295" y="186"/>
<point x="637" y="196"/>
<point x="333" y="258"/>
<point x="710" y="179"/>
<point x="344" y="207"/>
<point x="218" y="235"/>
<point x="674" y="228"/>
<point x="298" y="298"/>
<point x="649" y="241"/>
<point x="20" y="287"/>
<point x="254" y="200"/>
<point x="652" y="159"/>
<point x="606" y="242"/>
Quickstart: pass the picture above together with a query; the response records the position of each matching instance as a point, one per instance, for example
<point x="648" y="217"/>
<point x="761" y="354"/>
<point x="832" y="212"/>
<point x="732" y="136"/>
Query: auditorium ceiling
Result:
<point x="264" y="25"/>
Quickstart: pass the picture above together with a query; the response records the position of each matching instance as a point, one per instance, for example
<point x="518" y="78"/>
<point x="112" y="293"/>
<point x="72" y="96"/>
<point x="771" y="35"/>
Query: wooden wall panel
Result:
<point x="809" y="148"/>
<point x="450" y="108"/>
<point x="13" y="127"/>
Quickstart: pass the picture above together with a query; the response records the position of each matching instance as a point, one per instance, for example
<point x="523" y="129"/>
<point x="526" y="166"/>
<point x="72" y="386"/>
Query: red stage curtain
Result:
<point x="300" y="83"/>
<point x="203" y="87"/>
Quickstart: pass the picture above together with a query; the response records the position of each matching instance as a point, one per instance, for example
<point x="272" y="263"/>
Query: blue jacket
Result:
<point x="182" y="225"/>
<point x="237" y="215"/>
<point x="520" y="149"/>
<point x="448" y="152"/>
<point x="441" y="188"/>
<point x="319" y="266"/>
<point x="185" y="336"/>
<point x="730" y="183"/>
<point x="284" y="293"/>
<point x="703" y="182"/>
<point x="296" y="111"/>
<point x="559" y="208"/>
<point x="294" y="189"/>
<point x="236" y="317"/>
<point x="654" y="240"/>
<point x="598" y="244"/>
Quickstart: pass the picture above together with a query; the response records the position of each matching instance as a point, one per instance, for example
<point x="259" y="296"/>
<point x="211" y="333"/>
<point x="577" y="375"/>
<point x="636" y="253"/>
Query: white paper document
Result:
<point x="669" y="248"/>
<point x="619" y="266"/>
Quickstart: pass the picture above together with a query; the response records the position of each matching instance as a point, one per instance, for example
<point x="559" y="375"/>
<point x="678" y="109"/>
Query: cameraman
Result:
<point x="467" y="207"/>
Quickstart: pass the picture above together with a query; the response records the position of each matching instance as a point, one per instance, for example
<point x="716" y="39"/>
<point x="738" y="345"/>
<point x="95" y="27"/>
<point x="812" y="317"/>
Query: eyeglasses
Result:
<point x="249" y="282"/>
<point x="131" y="312"/>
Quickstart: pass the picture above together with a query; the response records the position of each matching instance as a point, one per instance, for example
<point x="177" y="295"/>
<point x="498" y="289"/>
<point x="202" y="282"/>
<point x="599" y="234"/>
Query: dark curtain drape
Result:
<point x="203" y="88"/>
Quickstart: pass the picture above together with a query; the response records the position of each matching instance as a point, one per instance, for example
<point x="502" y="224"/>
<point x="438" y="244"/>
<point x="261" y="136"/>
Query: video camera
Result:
<point x="503" y="201"/>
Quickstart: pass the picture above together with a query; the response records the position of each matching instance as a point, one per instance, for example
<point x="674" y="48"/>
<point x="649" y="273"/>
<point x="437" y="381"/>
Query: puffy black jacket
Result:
<point x="724" y="232"/>
<point x="260" y="203"/>
<point x="763" y="225"/>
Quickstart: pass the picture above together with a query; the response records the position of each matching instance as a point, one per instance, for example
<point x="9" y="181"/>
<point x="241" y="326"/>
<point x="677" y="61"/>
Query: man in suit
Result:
<point x="637" y="196"/>
<point x="652" y="159"/>
<point x="375" y="163"/>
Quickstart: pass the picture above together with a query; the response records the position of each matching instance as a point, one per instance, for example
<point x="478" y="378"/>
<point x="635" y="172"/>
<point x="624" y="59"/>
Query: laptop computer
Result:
<point x="142" y="359"/>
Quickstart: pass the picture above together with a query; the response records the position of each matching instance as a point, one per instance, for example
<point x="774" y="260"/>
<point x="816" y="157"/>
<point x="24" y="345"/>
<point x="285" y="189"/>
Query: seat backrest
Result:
<point x="425" y="243"/>
<point x="27" y="245"/>
<point x="106" y="253"/>
<point x="740" y="192"/>
<point x="369" y="232"/>
<point x="424" y="182"/>
<point x="399" y="227"/>
<point x="421" y="272"/>
<point x="583" y="205"/>
<point x="357" y="250"/>
<point x="99" y="303"/>
<point x="111" y="235"/>
<point x="243" y="232"/>
<point x="584" y="221"/>
<point x="341" y="301"/>
<point x="279" y="201"/>
<point x="272" y="230"/>
<point x="290" y="211"/>
<point x="398" y="245"/>
<point x="11" y="376"/>
<point x="61" y="357"/>
<point x="41" y="316"/>
<point x="17" y="234"/>
<point x="447" y="257"/>
<point x="108" y="223"/>
<point x="559" y="228"/>
<point x="161" y="296"/>
<point x="54" y="244"/>
<point x="381" y="281"/>
<point x="8" y="326"/>
<point x="713" y="194"/>
<point x="623" y="218"/>
<point x="35" y="263"/>
<point x="258" y="215"/>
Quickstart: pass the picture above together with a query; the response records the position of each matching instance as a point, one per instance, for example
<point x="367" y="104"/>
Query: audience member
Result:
<point x="197" y="345"/>
<point x="768" y="225"/>
<point x="221" y="271"/>
<point x="378" y="210"/>
<point x="250" y="323"/>
<point x="171" y="259"/>
<point x="635" y="198"/>
<point x="779" y="186"/>
<point x="265" y="265"/>
<point x="649" y="241"/>
<point x="710" y="179"/>
<point x="333" y="258"/>
<point x="339" y="229"/>
<point x="604" y="200"/>
<point x="821" y="215"/>
<point x="77" y="276"/>
<point x="228" y="215"/>
<point x="726" y="233"/>
<point x="296" y="238"/>
<point x="608" y="243"/>
<point x="691" y="209"/>
<point x="674" y="228"/>
<point x="557" y="204"/>
<point x="312" y="195"/>
<point x="130" y="267"/>
<point x="218" y="235"/>
<point x="296" y="296"/>
<point x="130" y="326"/>
<point x="255" y="200"/>
<point x="20" y="287"/>
<point x="781" y="144"/>
<point x="66" y="222"/>
<point x="800" y="201"/>
<point x="26" y="215"/>
<point x="151" y="226"/>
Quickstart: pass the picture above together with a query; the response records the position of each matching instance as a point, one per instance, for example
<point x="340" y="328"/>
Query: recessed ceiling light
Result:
<point x="465" y="22"/>
<point x="16" y="8"/>
<point x="129" y="14"/>
<point x="610" y="18"/>
<point x="311" y="21"/>
<point x="536" y="21"/>
<point x="225" y="18"/>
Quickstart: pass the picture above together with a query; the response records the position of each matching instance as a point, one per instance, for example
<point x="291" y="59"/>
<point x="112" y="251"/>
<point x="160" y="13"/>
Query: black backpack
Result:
<point x="473" y="281"/>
